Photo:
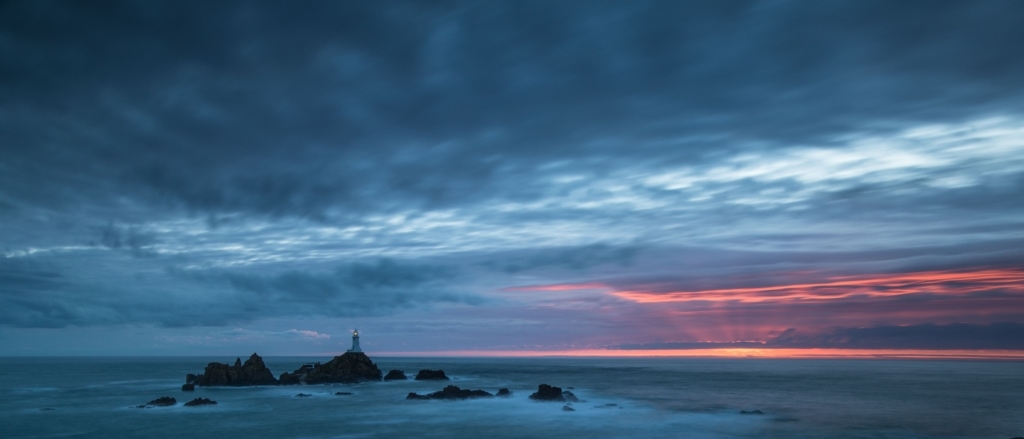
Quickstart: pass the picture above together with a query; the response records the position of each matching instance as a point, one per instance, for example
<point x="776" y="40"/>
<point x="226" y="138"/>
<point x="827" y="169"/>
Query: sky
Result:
<point x="217" y="178"/>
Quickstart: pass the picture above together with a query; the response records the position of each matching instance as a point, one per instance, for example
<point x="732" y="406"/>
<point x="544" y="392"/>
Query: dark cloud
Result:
<point x="575" y="258"/>
<point x="286" y="111"/>
<point x="1003" y="335"/>
<point x="35" y="295"/>
<point x="358" y="289"/>
<point x="128" y="238"/>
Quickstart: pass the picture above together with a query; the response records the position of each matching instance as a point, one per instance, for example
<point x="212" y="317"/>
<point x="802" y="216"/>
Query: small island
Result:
<point x="351" y="367"/>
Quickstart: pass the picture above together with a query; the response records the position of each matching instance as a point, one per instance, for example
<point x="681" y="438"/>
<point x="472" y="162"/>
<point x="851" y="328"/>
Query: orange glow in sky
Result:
<point x="882" y="285"/>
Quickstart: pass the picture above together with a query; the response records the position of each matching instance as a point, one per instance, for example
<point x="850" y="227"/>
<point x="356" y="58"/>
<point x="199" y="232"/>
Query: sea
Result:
<point x="619" y="398"/>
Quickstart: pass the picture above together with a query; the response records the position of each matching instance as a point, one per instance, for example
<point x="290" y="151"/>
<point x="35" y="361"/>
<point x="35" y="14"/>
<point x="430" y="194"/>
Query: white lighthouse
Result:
<point x="355" y="342"/>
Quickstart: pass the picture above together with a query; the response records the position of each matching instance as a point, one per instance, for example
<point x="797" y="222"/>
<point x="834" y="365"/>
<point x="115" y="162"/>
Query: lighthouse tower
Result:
<point x="355" y="342"/>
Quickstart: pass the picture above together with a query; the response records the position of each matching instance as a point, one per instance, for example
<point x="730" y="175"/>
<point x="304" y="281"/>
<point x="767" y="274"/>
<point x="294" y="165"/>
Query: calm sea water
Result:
<point x="653" y="398"/>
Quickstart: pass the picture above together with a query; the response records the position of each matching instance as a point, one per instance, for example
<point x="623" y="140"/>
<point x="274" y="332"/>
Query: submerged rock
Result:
<point x="752" y="412"/>
<point x="568" y="408"/>
<point x="303" y="395"/>
<point x="395" y="374"/>
<point x="253" y="373"/>
<point x="342" y="393"/>
<point x="162" y="401"/>
<point x="504" y="392"/>
<point x="452" y="392"/>
<point x="200" y="401"/>
<point x="427" y="374"/>
<point x="548" y="393"/>
<point x="350" y="367"/>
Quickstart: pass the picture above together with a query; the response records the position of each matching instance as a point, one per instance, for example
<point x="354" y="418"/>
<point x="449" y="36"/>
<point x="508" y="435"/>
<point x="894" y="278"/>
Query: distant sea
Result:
<point x="622" y="398"/>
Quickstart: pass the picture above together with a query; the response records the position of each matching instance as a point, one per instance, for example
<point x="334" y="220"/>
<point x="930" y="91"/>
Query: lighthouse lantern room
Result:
<point x="355" y="342"/>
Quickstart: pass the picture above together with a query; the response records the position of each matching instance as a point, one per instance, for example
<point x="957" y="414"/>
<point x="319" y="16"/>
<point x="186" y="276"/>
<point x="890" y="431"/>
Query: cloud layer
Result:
<point x="585" y="174"/>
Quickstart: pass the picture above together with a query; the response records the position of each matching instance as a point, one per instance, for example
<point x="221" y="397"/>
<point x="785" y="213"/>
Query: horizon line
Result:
<point x="735" y="353"/>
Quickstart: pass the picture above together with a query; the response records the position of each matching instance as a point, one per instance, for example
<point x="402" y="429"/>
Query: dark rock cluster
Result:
<point x="252" y="373"/>
<point x="200" y="401"/>
<point x="427" y="374"/>
<point x="395" y="374"/>
<point x="350" y="367"/>
<point x="551" y="393"/>
<point x="162" y="401"/>
<point x="452" y="392"/>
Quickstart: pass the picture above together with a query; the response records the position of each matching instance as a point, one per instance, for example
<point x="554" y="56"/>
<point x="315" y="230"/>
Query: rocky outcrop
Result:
<point x="188" y="387"/>
<point x="395" y="374"/>
<point x="252" y="373"/>
<point x="551" y="393"/>
<point x="452" y="392"/>
<point x="504" y="392"/>
<point x="200" y="401"/>
<point x="427" y="374"/>
<point x="163" y="401"/>
<point x="350" y="367"/>
<point x="288" y="379"/>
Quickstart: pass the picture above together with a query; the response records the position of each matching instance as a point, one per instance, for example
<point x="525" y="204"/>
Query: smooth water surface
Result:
<point x="623" y="398"/>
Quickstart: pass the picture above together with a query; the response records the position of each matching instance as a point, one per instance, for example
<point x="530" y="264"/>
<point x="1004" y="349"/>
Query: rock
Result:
<point x="504" y="392"/>
<point x="752" y="412"/>
<point x="452" y="392"/>
<point x="342" y="393"/>
<point x="188" y="387"/>
<point x="200" y="401"/>
<point x="568" y="408"/>
<point x="47" y="409"/>
<point x="303" y="395"/>
<point x="548" y="393"/>
<point x="427" y="374"/>
<point x="288" y="379"/>
<point x="395" y="374"/>
<point x="568" y="396"/>
<point x="162" y="401"/>
<point x="252" y="373"/>
<point x="350" y="367"/>
<point x="191" y="378"/>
